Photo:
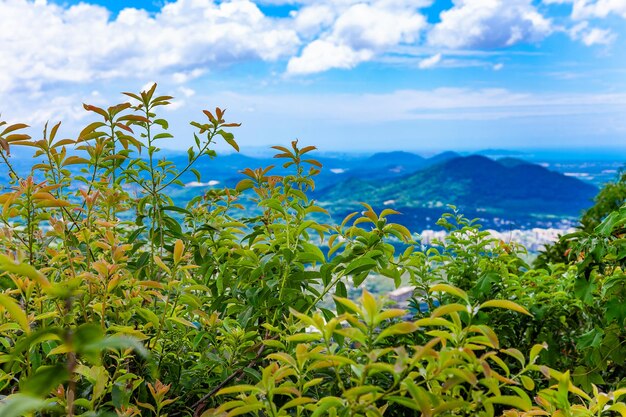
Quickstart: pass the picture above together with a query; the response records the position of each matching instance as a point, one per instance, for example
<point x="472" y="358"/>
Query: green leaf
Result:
<point x="238" y="389"/>
<point x="349" y="304"/>
<point x="176" y="209"/>
<point x="619" y="407"/>
<point x="7" y="264"/>
<point x="447" y="309"/>
<point x="197" y="174"/>
<point x="535" y="350"/>
<point x="119" y="342"/>
<point x="360" y="265"/>
<point x="163" y="135"/>
<point x="449" y="289"/>
<point x="511" y="400"/>
<point x="311" y="253"/>
<point x="182" y="321"/>
<point x="615" y="310"/>
<point x="506" y="304"/>
<point x="304" y="337"/>
<point x="325" y="404"/>
<point x="44" y="380"/>
<point x="395" y="329"/>
<point x="229" y="138"/>
<point x="15" y="311"/>
<point x="591" y="339"/>
<point x="527" y="382"/>
<point x="149" y="316"/>
<point x="18" y="405"/>
<point x="612" y="220"/>
<point x="369" y="303"/>
<point x="584" y="289"/>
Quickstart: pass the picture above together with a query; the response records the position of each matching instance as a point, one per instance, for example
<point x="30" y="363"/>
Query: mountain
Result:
<point x="383" y="165"/>
<point x="476" y="183"/>
<point x="498" y="153"/>
<point x="383" y="159"/>
<point x="512" y="162"/>
<point x="441" y="157"/>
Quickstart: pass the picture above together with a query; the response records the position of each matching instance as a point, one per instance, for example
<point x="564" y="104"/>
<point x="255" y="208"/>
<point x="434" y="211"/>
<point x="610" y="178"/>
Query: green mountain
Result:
<point x="383" y="159"/>
<point x="473" y="182"/>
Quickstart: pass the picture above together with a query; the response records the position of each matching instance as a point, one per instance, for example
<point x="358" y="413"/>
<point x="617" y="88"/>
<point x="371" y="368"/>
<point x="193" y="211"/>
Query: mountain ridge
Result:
<point x="474" y="182"/>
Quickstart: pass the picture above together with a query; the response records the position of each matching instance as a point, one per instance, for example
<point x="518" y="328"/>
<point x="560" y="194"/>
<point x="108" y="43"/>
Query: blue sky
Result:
<point x="362" y="75"/>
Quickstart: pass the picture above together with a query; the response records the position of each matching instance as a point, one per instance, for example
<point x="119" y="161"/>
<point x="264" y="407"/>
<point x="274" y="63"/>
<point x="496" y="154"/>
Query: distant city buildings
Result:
<point x="534" y="240"/>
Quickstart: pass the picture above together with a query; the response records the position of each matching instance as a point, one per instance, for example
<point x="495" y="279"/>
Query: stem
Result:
<point x="57" y="178"/>
<point x="323" y="294"/>
<point x="8" y="164"/>
<point x="193" y="161"/>
<point x="30" y="226"/>
<point x="200" y="404"/>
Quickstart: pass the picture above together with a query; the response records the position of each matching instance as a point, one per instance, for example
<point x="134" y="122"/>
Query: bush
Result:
<point x="116" y="301"/>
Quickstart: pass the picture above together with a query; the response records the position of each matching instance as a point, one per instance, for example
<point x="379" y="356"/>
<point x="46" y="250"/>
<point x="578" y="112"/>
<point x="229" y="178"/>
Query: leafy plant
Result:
<point x="116" y="301"/>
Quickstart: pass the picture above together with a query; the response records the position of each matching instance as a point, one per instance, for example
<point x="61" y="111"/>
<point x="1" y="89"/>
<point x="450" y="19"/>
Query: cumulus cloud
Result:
<point x="355" y="32"/>
<point x="321" y="55"/>
<point x="310" y="21"/>
<point x="41" y="42"/>
<point x="187" y="39"/>
<point x="489" y="24"/>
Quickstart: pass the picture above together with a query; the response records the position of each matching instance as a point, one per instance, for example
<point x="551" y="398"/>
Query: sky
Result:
<point x="344" y="75"/>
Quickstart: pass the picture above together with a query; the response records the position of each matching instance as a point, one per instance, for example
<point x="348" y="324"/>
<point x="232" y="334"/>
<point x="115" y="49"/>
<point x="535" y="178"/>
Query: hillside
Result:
<point x="476" y="183"/>
<point x="379" y="166"/>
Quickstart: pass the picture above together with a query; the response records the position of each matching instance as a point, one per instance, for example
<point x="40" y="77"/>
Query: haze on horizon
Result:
<point x="359" y="75"/>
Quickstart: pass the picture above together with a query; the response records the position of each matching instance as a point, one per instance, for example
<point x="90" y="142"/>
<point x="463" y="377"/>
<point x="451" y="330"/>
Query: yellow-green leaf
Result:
<point x="510" y="400"/>
<point x="15" y="312"/>
<point x="398" y="328"/>
<point x="506" y="304"/>
<point x="7" y="264"/>
<point x="449" y="289"/>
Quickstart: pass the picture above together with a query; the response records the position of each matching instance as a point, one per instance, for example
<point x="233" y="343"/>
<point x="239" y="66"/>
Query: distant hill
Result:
<point x="381" y="165"/>
<point x="384" y="159"/>
<point x="442" y="157"/>
<point x="498" y="153"/>
<point x="474" y="182"/>
<point x="512" y="162"/>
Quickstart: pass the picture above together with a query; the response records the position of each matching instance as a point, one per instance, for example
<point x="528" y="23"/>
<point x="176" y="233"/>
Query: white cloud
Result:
<point x="186" y="76"/>
<point x="591" y="36"/>
<point x="309" y="21"/>
<point x="598" y="36"/>
<point x="364" y="26"/>
<point x="321" y="55"/>
<point x="489" y="24"/>
<point x="187" y="39"/>
<point x="430" y="62"/>
<point x="187" y="92"/>
<point x="498" y="67"/>
<point x="587" y="9"/>
<point x="354" y="32"/>
<point x="42" y="43"/>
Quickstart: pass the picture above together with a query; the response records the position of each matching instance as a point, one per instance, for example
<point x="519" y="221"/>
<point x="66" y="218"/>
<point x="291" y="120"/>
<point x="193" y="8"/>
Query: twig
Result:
<point x="201" y="403"/>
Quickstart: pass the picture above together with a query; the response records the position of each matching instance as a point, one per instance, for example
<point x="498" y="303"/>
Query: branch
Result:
<point x="201" y="403"/>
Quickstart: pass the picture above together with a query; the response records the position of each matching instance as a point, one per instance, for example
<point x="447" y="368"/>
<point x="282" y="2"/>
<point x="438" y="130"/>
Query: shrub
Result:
<point x="116" y="301"/>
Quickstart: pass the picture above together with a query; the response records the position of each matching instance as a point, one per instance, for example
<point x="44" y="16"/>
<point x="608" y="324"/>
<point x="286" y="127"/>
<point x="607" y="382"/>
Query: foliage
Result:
<point x="115" y="301"/>
<point x="577" y="308"/>
<point x="610" y="198"/>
